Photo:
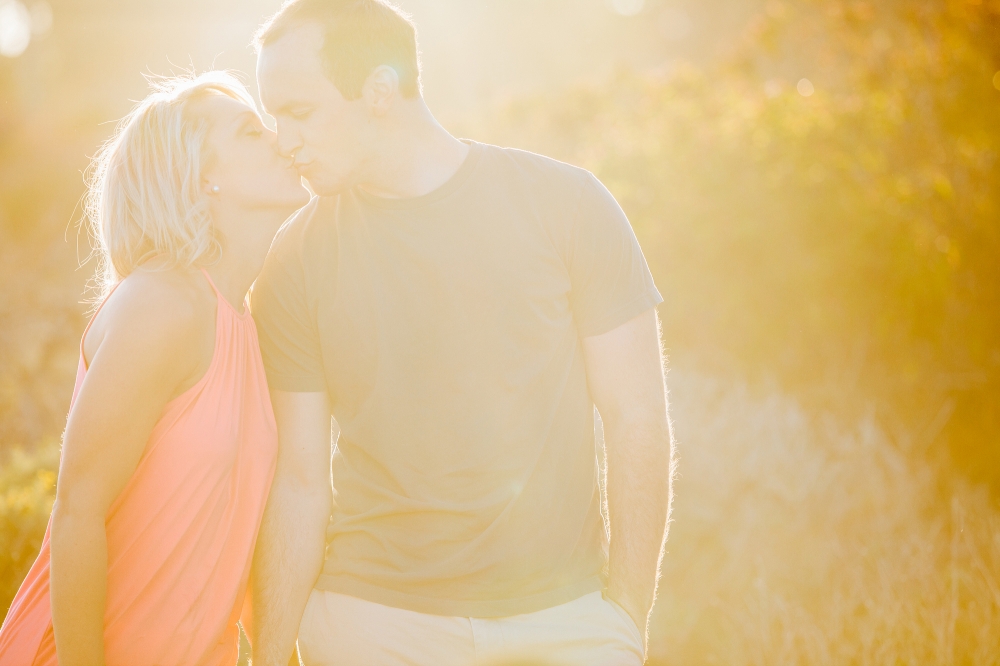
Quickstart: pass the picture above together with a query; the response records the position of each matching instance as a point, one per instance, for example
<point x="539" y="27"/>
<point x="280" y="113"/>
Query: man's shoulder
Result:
<point x="536" y="169"/>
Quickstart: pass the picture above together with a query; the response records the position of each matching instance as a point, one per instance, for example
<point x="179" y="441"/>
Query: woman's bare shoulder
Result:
<point x="170" y="309"/>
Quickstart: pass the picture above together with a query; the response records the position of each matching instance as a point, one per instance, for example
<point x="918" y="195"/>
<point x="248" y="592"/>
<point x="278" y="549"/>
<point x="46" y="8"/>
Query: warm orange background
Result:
<point x="815" y="186"/>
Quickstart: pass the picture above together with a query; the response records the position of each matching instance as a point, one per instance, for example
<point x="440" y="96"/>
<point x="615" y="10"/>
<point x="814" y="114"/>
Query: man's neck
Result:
<point x="416" y="157"/>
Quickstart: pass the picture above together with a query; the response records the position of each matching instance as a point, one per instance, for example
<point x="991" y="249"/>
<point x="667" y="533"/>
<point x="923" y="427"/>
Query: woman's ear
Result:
<point x="381" y="89"/>
<point x="209" y="189"/>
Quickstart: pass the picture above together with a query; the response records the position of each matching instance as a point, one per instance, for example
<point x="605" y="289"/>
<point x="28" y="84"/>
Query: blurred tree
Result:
<point x="822" y="207"/>
<point x="40" y="312"/>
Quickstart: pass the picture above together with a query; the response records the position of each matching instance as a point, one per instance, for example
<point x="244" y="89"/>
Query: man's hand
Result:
<point x="625" y="375"/>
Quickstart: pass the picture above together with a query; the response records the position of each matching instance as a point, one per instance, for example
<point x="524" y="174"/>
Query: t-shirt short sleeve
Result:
<point x="286" y="323"/>
<point x="610" y="281"/>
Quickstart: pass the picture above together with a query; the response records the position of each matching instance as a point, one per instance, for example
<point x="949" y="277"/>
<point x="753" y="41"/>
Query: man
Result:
<point x="459" y="309"/>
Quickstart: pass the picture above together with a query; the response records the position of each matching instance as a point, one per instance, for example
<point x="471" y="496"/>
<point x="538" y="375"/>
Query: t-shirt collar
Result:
<point x="450" y="186"/>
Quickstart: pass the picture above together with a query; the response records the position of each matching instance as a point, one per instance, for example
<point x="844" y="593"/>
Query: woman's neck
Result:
<point x="243" y="254"/>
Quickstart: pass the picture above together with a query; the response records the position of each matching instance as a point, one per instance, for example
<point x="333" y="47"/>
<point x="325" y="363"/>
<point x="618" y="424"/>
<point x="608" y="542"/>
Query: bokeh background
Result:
<point x="816" y="186"/>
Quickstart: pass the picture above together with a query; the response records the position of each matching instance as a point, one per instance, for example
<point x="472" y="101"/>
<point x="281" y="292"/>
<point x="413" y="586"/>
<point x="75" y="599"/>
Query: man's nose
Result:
<point x="286" y="142"/>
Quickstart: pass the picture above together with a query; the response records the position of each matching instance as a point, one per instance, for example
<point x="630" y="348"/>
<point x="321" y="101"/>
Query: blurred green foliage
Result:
<point x="27" y="485"/>
<point x="41" y="316"/>
<point x="821" y="209"/>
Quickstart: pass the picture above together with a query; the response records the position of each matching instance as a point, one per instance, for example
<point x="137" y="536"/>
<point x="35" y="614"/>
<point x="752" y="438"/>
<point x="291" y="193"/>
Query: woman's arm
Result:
<point x="152" y="344"/>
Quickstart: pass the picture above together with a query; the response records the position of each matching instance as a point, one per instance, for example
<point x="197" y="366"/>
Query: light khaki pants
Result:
<point x="338" y="630"/>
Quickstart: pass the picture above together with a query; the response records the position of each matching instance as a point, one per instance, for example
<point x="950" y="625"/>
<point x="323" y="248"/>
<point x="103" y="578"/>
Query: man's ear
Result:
<point x="381" y="89"/>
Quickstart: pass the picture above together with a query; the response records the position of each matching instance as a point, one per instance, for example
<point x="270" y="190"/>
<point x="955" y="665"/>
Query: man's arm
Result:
<point x="291" y="544"/>
<point x="625" y="374"/>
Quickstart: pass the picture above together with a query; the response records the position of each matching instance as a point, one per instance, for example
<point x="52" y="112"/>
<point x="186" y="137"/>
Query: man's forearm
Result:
<point x="639" y="495"/>
<point x="78" y="580"/>
<point x="287" y="561"/>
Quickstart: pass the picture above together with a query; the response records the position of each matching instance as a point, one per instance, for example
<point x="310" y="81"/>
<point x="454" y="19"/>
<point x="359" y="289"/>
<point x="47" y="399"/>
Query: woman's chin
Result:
<point x="302" y="197"/>
<point x="294" y="198"/>
<point x="284" y="199"/>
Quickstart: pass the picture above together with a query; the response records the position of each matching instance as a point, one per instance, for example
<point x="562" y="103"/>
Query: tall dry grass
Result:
<point x="797" y="540"/>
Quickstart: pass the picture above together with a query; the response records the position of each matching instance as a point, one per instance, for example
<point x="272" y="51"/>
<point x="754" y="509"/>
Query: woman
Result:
<point x="170" y="444"/>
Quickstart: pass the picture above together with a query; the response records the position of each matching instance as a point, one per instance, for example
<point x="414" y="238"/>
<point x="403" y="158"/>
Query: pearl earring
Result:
<point x="215" y="188"/>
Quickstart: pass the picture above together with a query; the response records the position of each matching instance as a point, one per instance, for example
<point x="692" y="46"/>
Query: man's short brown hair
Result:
<point x="358" y="36"/>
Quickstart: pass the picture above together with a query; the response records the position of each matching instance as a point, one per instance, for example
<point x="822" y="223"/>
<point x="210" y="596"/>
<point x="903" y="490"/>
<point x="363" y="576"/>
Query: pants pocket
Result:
<point x="306" y="635"/>
<point x="630" y="624"/>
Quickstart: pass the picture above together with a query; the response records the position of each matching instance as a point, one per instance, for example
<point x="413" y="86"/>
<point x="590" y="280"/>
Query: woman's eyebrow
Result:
<point x="245" y="118"/>
<point x="286" y="108"/>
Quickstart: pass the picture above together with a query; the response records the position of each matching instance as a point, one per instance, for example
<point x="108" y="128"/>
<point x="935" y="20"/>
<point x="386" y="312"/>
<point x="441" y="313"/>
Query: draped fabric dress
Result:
<point x="181" y="533"/>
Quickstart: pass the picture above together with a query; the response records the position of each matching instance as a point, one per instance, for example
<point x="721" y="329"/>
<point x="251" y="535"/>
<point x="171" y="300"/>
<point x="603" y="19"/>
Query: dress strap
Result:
<point x="211" y="282"/>
<point x="222" y="299"/>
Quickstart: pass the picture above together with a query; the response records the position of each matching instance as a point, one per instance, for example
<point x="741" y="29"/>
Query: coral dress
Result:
<point x="181" y="533"/>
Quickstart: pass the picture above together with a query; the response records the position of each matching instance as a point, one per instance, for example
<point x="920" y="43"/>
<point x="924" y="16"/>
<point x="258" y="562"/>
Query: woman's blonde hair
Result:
<point x="144" y="195"/>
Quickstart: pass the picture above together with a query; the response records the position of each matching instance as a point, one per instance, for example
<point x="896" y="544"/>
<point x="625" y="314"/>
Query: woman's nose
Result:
<point x="272" y="138"/>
